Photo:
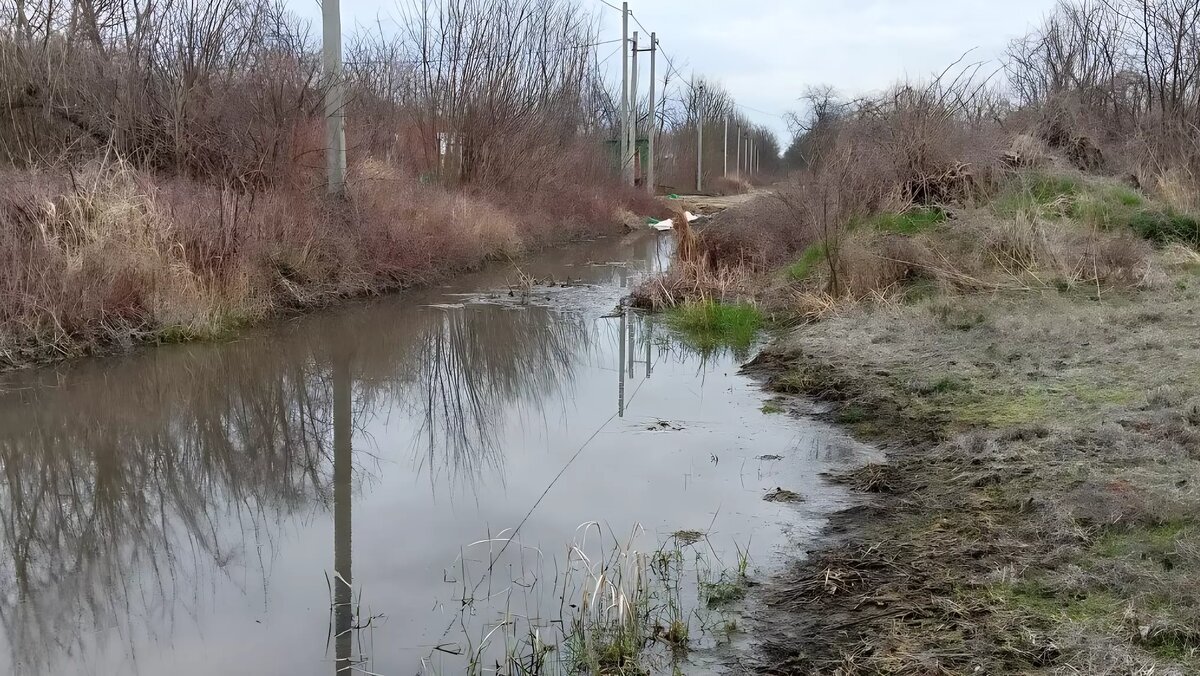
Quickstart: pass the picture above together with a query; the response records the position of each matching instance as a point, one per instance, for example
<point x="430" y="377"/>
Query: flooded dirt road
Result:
<point x="390" y="488"/>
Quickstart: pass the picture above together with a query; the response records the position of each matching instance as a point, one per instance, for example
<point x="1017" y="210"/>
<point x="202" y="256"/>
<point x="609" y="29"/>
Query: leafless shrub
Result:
<point x="691" y="281"/>
<point x="1115" y="80"/>
<point x="1027" y="151"/>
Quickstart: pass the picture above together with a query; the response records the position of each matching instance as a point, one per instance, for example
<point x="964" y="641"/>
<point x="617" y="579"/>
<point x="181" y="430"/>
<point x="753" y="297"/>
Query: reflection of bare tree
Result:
<point x="476" y="365"/>
<point x="127" y="485"/>
<point x="122" y="490"/>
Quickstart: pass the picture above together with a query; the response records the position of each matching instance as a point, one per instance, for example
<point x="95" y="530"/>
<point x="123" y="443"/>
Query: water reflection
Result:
<point x="172" y="471"/>
<point x="635" y="329"/>
<point x="343" y="577"/>
<point x="475" y="364"/>
<point x="134" y="488"/>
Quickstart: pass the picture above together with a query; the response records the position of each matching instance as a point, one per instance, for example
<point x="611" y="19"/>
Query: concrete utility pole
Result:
<point x="738" y="141"/>
<point x="700" y="139"/>
<point x="335" y="96"/>
<point x="725" y="149"/>
<point x="626" y="175"/>
<point x="633" y="111"/>
<point x="650" y="177"/>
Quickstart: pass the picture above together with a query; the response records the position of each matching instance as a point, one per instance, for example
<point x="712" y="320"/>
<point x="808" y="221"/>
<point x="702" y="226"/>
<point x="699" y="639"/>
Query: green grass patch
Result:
<point x="943" y="385"/>
<point x="1003" y="410"/>
<point x="1099" y="204"/>
<point x="1047" y="604"/>
<point x="852" y="414"/>
<point x="1107" y="206"/>
<point x="223" y="327"/>
<point x="1145" y="542"/>
<point x="1047" y="195"/>
<point x="725" y="590"/>
<point x="1097" y="396"/>
<point x="811" y="257"/>
<point x="709" y="326"/>
<point x="1163" y="227"/>
<point x="910" y="222"/>
<point x="771" y="408"/>
<point x="956" y="317"/>
<point x="920" y="289"/>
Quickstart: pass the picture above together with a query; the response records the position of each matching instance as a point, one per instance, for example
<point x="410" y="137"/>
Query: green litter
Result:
<point x="672" y="196"/>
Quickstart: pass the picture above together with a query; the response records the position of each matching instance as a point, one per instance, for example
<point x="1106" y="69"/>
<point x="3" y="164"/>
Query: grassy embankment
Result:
<point x="1027" y="360"/>
<point x="103" y="255"/>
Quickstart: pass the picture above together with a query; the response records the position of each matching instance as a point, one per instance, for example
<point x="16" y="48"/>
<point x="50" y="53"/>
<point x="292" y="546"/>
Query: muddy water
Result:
<point x="383" y="485"/>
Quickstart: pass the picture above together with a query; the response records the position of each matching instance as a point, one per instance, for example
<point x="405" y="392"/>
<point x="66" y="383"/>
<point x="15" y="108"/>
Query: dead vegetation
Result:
<point x="164" y="175"/>
<point x="1036" y="513"/>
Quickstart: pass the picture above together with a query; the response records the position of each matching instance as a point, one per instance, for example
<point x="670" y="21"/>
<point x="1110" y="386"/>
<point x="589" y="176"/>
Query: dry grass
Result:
<point x="728" y="185"/>
<point x="105" y="254"/>
<point x="694" y="281"/>
<point x="1038" y="504"/>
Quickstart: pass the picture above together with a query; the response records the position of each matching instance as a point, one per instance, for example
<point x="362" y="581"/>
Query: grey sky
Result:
<point x="766" y="52"/>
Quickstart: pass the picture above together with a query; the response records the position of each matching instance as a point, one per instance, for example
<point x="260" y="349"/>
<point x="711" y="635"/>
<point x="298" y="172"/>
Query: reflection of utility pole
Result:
<point x="621" y="365"/>
<point x="343" y="611"/>
<point x="649" y="339"/>
<point x="631" y="332"/>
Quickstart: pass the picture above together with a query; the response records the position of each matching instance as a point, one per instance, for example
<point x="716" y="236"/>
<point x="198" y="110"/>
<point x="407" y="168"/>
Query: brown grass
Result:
<point x="728" y="185"/>
<point x="105" y="254"/>
<point x="1037" y="512"/>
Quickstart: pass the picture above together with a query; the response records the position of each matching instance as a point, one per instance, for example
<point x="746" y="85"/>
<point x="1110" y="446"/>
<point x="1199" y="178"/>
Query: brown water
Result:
<point x="340" y="485"/>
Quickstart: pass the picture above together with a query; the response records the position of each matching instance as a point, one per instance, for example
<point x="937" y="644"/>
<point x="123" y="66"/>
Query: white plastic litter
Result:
<point x="669" y="224"/>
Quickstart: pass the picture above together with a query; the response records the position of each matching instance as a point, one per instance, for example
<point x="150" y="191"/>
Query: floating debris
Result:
<point x="663" y="425"/>
<point x="688" y="537"/>
<point x="769" y="456"/>
<point x="783" y="495"/>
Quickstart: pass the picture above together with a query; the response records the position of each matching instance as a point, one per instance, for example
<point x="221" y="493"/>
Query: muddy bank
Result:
<point x="1035" y="511"/>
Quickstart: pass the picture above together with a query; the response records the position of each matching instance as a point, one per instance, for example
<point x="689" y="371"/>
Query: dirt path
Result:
<point x="712" y="204"/>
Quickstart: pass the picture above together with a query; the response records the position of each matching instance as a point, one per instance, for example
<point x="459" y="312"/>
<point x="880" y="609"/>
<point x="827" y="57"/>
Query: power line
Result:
<point x="763" y="112"/>
<point x="605" y="59"/>
<point x="635" y="19"/>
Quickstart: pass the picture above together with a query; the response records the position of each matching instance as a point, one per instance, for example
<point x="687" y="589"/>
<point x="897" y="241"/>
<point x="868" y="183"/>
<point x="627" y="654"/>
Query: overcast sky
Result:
<point x="766" y="52"/>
